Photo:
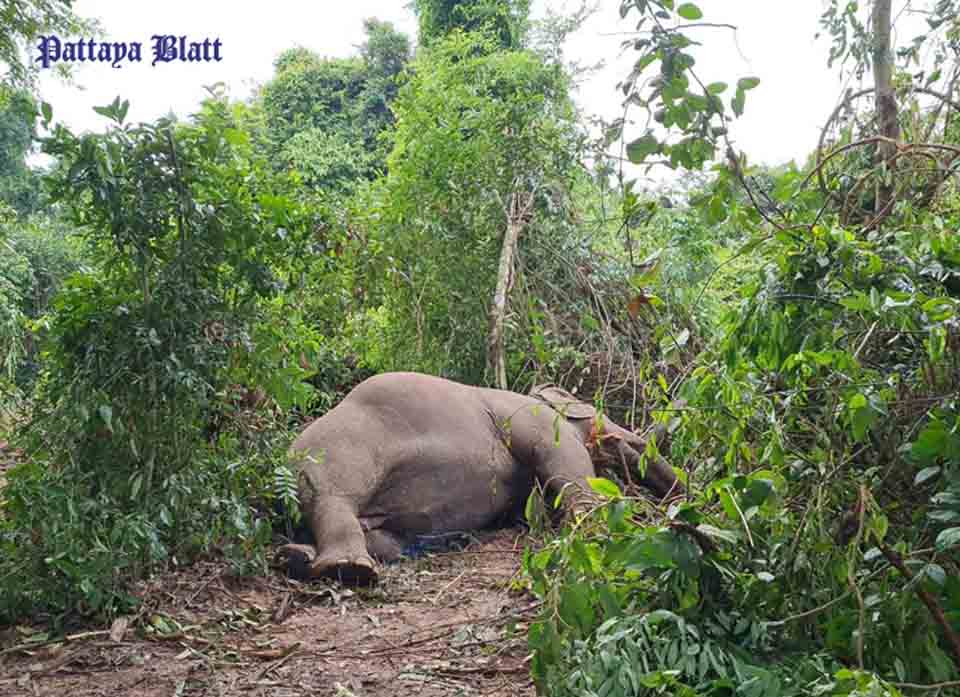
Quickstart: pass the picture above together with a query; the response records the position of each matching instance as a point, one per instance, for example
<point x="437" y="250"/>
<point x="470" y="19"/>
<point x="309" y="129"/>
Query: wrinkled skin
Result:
<point x="406" y="454"/>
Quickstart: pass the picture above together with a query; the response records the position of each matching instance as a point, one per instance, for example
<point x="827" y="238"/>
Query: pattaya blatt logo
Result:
<point x="166" y="48"/>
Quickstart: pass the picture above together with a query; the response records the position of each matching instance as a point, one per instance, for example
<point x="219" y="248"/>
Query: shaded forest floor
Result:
<point x="443" y="624"/>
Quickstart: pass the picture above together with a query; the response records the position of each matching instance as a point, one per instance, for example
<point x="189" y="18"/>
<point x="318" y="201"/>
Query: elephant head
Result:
<point x="610" y="445"/>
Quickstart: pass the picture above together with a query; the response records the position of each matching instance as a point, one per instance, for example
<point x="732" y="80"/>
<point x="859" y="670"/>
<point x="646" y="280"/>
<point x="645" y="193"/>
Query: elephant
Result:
<point x="408" y="454"/>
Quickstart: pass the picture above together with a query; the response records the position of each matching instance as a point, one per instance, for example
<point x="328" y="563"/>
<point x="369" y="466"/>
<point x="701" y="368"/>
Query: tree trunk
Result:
<point x="886" y="103"/>
<point x="517" y="212"/>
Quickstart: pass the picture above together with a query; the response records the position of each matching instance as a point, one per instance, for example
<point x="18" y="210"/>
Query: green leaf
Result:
<point x="879" y="524"/>
<point x="604" y="487"/>
<point x="856" y="302"/>
<point x="947" y="539"/>
<point x="936" y="574"/>
<point x="747" y="83"/>
<point x="729" y="506"/>
<point x="737" y="103"/>
<point x="689" y="11"/>
<point x="530" y="510"/>
<point x="589" y="323"/>
<point x="235" y="136"/>
<point x="926" y="474"/>
<point x="858" y="401"/>
<point x="716" y="211"/>
<point x="720" y="534"/>
<point x="939" y="309"/>
<point x="639" y="149"/>
<point x="933" y="442"/>
<point x="717" y="88"/>
<point x="47" y="111"/>
<point x="862" y="416"/>
<point x="575" y="607"/>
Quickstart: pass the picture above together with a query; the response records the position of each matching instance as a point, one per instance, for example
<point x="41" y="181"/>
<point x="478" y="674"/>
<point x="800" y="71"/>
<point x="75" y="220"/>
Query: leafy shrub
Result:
<point x="37" y="253"/>
<point x="632" y="608"/>
<point x="192" y="231"/>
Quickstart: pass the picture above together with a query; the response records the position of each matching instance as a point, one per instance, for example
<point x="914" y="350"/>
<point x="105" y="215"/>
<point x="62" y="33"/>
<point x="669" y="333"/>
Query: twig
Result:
<point x="851" y="580"/>
<point x="287" y="655"/>
<point x="808" y="613"/>
<point x="179" y="636"/>
<point x="27" y="646"/>
<point x="826" y="606"/>
<point x="447" y="587"/>
<point x="461" y="552"/>
<point x="212" y="577"/>
<point x="450" y="628"/>
<point x="934" y="686"/>
<point x="932" y="605"/>
<point x="56" y="664"/>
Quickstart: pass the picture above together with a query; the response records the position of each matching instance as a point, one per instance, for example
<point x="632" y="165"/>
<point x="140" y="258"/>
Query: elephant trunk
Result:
<point x="658" y="475"/>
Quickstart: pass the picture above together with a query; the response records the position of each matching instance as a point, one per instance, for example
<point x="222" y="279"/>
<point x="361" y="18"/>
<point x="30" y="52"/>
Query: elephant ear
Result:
<point x="563" y="402"/>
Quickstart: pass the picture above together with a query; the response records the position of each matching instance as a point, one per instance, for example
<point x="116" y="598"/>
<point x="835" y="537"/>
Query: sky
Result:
<point x="774" y="41"/>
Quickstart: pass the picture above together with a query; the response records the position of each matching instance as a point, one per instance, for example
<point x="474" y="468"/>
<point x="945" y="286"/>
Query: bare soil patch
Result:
<point x="443" y="624"/>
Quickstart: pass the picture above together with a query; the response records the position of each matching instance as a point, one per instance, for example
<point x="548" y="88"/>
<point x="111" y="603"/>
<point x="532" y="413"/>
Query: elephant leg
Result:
<point x="383" y="545"/>
<point x="341" y="544"/>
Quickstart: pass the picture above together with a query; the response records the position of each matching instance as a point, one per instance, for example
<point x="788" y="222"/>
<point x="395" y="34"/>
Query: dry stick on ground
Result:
<point x="450" y="628"/>
<point x="443" y="590"/>
<point x="932" y="605"/>
<point x="288" y="653"/>
<point x="30" y="645"/>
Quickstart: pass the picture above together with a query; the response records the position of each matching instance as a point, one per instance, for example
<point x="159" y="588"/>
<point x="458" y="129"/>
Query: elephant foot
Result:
<point x="359" y="571"/>
<point x="300" y="559"/>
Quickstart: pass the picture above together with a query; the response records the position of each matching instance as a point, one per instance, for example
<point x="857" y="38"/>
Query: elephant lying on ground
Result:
<point x="406" y="454"/>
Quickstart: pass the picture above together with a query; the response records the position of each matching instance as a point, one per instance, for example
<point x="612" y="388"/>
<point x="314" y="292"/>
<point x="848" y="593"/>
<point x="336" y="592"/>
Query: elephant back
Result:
<point x="563" y="402"/>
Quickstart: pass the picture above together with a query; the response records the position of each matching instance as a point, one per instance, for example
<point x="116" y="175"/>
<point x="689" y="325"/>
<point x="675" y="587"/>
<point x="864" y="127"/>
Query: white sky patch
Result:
<point x="774" y="41"/>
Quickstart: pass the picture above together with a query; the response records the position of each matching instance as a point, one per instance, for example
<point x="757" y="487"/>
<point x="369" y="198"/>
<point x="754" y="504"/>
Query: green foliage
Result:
<point x="19" y="187"/>
<point x="14" y="276"/>
<point x="193" y="235"/>
<point x="36" y="255"/>
<point x="676" y="98"/>
<point x="848" y="26"/>
<point x="505" y="20"/>
<point x="474" y="126"/>
<point x="312" y="92"/>
<point x="326" y="161"/>
<point x="818" y="442"/>
<point x="329" y="119"/>
<point x="21" y="23"/>
<point x="638" y="609"/>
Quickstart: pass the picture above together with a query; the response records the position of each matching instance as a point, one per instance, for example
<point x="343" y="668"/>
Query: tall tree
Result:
<point x="883" y="88"/>
<point x="21" y="22"/>
<point x="324" y="117"/>
<point x="486" y="141"/>
<point x="506" y="20"/>
<point x="19" y="187"/>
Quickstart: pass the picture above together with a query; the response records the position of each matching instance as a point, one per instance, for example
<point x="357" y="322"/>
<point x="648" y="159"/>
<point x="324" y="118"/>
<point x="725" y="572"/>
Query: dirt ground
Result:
<point x="444" y="624"/>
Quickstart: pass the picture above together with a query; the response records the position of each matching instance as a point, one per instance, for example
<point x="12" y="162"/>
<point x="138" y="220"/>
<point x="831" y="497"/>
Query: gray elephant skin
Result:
<point x="406" y="454"/>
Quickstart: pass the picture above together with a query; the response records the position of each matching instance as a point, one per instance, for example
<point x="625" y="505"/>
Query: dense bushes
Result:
<point x="191" y="234"/>
<point x="37" y="254"/>
<point x="819" y="439"/>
